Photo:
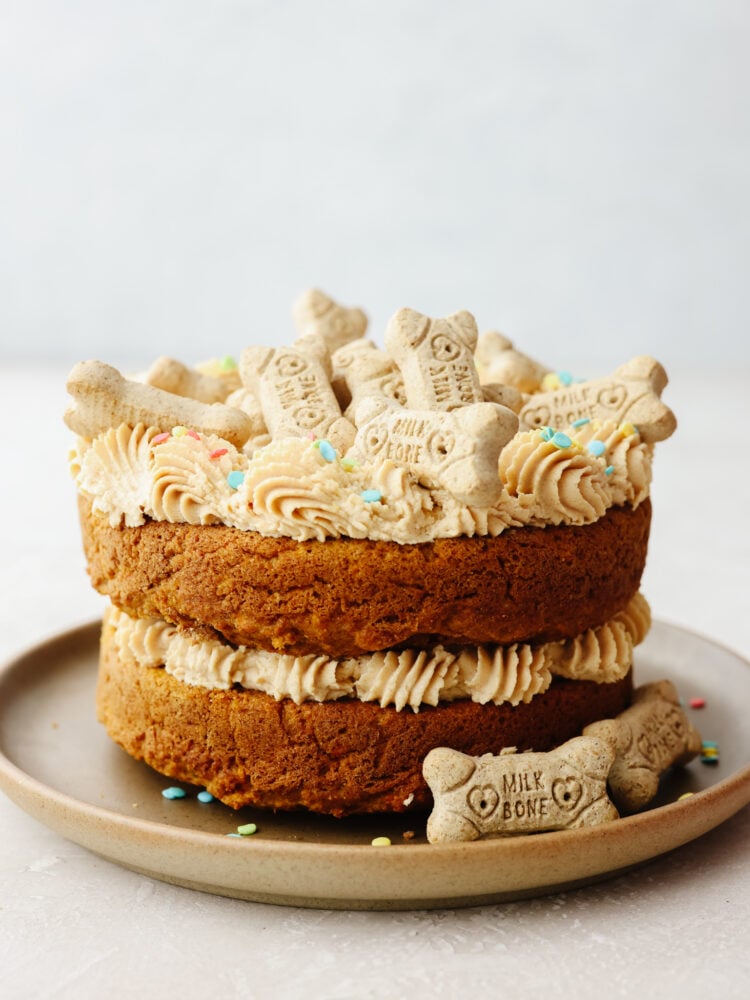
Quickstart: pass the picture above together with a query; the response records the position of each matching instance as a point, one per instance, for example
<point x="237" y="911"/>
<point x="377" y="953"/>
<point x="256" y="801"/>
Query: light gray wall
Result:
<point x="175" y="172"/>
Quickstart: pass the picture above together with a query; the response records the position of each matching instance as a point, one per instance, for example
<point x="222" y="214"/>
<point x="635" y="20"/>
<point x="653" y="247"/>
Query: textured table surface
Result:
<point x="73" y="925"/>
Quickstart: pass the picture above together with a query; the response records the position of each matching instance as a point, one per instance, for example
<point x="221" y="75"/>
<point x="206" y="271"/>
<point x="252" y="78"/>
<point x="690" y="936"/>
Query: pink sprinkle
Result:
<point x="194" y="434"/>
<point x="218" y="453"/>
<point x="161" y="438"/>
<point x="697" y="702"/>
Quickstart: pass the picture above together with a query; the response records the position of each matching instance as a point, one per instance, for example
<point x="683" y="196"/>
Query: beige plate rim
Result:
<point x="356" y="875"/>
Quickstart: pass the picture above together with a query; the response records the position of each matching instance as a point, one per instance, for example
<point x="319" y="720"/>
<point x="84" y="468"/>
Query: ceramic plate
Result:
<point x="57" y="763"/>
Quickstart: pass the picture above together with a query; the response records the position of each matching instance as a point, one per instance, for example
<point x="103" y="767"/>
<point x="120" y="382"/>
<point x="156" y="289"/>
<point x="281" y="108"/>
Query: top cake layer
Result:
<point x="443" y="434"/>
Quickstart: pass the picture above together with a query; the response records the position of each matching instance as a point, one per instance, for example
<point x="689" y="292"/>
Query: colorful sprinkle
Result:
<point x="193" y="434"/>
<point x="161" y="438"/>
<point x="560" y="440"/>
<point x="546" y="433"/>
<point x="685" y="795"/>
<point x="227" y="363"/>
<point x="609" y="470"/>
<point x="371" y="496"/>
<point x="565" y="378"/>
<point x="236" y="479"/>
<point x="327" y="451"/>
<point x="247" y="829"/>
<point x="205" y="797"/>
<point x="238" y="835"/>
<point x="218" y="452"/>
<point x="381" y="842"/>
<point x="179" y="431"/>
<point x="173" y="793"/>
<point x="697" y="702"/>
<point x="596" y="448"/>
<point x="349" y="465"/>
<point x="582" y="422"/>
<point x="709" y="752"/>
<point x="627" y="429"/>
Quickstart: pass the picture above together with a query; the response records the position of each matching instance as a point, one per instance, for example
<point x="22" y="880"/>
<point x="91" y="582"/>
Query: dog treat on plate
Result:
<point x="103" y="398"/>
<point x="518" y="792"/>
<point x="652" y="735"/>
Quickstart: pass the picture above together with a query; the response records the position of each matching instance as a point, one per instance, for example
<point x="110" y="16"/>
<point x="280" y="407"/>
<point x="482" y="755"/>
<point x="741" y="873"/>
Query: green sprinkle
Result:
<point x="371" y="496"/>
<point x="227" y="363"/>
<point x="247" y="829"/>
<point x="381" y="842"/>
<point x="173" y="793"/>
<point x="236" y="479"/>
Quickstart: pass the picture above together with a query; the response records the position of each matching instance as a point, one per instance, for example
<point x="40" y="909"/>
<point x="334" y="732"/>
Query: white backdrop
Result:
<point x="175" y="172"/>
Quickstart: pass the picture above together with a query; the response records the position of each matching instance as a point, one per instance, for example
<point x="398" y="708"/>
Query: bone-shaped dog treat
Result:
<point x="518" y="792"/>
<point x="102" y="398"/>
<point x="498" y="361"/>
<point x="458" y="451"/>
<point x="436" y="357"/>
<point x="504" y="395"/>
<point x="294" y="390"/>
<point x="631" y="394"/>
<point x="651" y="736"/>
<point x="172" y="376"/>
<point x="360" y="369"/>
<point x="316" y="314"/>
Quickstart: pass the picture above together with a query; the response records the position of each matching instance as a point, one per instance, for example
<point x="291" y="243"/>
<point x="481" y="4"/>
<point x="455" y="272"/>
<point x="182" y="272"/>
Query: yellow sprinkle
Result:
<point x="348" y="464"/>
<point x="685" y="795"/>
<point x="551" y="381"/>
<point x="627" y="429"/>
<point x="179" y="431"/>
<point x="381" y="842"/>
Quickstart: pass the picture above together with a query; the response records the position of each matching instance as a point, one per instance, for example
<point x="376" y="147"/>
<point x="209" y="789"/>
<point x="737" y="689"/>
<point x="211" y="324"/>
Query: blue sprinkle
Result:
<point x="710" y="743"/>
<point x="236" y="479"/>
<point x="173" y="793"/>
<point x="710" y="760"/>
<point x="596" y="447"/>
<point x="560" y="440"/>
<point x="546" y="433"/>
<point x="233" y="835"/>
<point x="371" y="496"/>
<point x="565" y="378"/>
<point x="582" y="422"/>
<point x="327" y="451"/>
<point x="609" y="470"/>
<point x="205" y="797"/>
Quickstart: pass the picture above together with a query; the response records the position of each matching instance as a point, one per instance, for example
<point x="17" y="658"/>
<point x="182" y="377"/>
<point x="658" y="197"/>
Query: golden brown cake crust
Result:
<point x="344" y="597"/>
<point x="339" y="757"/>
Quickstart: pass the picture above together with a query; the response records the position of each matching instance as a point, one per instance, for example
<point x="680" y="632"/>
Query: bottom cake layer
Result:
<point x="338" y="757"/>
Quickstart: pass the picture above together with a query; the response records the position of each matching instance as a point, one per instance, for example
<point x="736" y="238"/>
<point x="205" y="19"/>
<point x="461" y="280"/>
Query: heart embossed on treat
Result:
<point x="536" y="416"/>
<point x="483" y="800"/>
<point x="567" y="792"/>
<point x="612" y="396"/>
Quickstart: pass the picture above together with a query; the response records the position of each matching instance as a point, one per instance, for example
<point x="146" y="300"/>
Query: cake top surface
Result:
<point x="443" y="433"/>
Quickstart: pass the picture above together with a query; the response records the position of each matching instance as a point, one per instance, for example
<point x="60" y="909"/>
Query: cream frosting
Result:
<point x="298" y="488"/>
<point x="399" y="678"/>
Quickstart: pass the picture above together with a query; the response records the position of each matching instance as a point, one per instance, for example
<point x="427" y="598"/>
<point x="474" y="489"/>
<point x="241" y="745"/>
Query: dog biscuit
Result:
<point x="436" y="358"/>
<point x="361" y="369"/>
<point x="293" y="387"/>
<point x="103" y="398"/>
<point x="632" y="393"/>
<point x="514" y="793"/>
<point x="650" y="736"/>
<point x="172" y="376"/>
<point x="497" y="360"/>
<point x="318" y="315"/>
<point x="457" y="451"/>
